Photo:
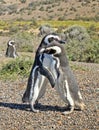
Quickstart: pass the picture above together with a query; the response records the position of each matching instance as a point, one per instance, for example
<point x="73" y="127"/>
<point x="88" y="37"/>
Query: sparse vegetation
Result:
<point x="16" y="68"/>
<point x="2" y="1"/>
<point x="22" y="1"/>
<point x="85" y="51"/>
<point x="80" y="46"/>
<point x="24" y="41"/>
<point x="32" y="7"/>
<point x="41" y="8"/>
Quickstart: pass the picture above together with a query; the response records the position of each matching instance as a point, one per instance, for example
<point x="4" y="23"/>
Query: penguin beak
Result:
<point x="62" y="42"/>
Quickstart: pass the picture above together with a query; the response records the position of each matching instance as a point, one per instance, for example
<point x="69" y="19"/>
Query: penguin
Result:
<point x="11" y="49"/>
<point x="37" y="82"/>
<point x="65" y="81"/>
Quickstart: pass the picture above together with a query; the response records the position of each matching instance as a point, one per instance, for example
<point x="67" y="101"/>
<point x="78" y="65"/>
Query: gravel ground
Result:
<point x="17" y="116"/>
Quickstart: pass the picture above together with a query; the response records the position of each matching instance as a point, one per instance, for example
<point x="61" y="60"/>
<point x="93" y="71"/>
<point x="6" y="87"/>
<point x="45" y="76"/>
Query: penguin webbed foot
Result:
<point x="71" y="109"/>
<point x="32" y="105"/>
<point x="33" y="109"/>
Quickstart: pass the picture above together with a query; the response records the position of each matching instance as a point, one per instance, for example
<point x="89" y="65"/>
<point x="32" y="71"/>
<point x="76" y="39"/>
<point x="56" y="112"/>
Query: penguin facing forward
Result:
<point x="37" y="82"/>
<point x="64" y="79"/>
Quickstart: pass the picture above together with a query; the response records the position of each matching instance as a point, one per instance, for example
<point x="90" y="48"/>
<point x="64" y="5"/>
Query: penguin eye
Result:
<point x="50" y="39"/>
<point x="12" y="43"/>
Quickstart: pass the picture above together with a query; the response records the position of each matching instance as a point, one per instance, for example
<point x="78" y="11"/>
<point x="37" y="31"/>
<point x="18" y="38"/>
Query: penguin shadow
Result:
<point x="15" y="106"/>
<point x="56" y="108"/>
<point x="39" y="106"/>
<point x="44" y="107"/>
<point x="26" y="107"/>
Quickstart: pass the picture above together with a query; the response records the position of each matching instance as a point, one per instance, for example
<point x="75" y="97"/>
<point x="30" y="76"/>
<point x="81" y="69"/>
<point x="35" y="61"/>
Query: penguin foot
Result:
<point x="68" y="111"/>
<point x="33" y="109"/>
<point x="32" y="105"/>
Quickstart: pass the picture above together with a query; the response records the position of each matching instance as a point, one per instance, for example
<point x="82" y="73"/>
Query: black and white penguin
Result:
<point x="65" y="81"/>
<point x="37" y="82"/>
<point x="11" y="49"/>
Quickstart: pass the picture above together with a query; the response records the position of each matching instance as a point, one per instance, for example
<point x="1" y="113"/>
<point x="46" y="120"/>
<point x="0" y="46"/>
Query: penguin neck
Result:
<point x="63" y="59"/>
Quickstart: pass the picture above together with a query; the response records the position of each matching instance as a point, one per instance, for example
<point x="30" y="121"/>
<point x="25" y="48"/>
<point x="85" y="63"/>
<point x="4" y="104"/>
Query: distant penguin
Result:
<point x="37" y="83"/>
<point x="11" y="49"/>
<point x="65" y="81"/>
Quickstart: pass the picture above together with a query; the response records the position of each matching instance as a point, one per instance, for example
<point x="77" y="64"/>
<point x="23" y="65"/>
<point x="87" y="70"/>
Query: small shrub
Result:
<point x="13" y="29"/>
<point x="12" y="9"/>
<point x="80" y="47"/>
<point x="61" y="18"/>
<point x="32" y="5"/>
<point x="16" y="68"/>
<point x="50" y="11"/>
<point x="41" y="8"/>
<point x="60" y="9"/>
<point x="22" y="1"/>
<point x="34" y="22"/>
<point x="73" y="9"/>
<point x="83" y="52"/>
<point x="2" y="1"/>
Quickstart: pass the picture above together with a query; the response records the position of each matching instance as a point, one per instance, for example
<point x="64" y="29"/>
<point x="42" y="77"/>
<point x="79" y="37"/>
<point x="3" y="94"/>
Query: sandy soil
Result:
<point x="17" y="116"/>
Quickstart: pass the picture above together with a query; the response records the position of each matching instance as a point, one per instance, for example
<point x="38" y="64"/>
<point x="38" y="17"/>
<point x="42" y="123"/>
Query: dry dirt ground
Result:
<point x="14" y="115"/>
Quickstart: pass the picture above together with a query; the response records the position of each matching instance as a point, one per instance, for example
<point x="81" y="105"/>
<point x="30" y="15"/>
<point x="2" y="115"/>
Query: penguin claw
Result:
<point x="34" y="110"/>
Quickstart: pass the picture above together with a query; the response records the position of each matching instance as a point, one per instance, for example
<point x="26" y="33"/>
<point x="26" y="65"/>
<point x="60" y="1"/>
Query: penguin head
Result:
<point x="53" y="48"/>
<point x="50" y="38"/>
<point x="11" y="43"/>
